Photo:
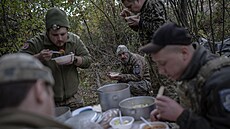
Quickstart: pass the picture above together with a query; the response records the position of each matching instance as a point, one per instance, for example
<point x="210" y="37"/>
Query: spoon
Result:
<point x="160" y="91"/>
<point x="120" y="118"/>
<point x="146" y="121"/>
<point x="56" y="52"/>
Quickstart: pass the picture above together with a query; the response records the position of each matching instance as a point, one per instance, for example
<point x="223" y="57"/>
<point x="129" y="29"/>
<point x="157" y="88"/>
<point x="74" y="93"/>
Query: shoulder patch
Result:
<point x="136" y="69"/>
<point x="25" y="45"/>
<point x="225" y="98"/>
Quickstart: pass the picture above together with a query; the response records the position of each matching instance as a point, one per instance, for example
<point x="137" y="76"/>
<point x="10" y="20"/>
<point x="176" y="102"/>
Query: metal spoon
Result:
<point x="143" y="119"/>
<point x="120" y="118"/>
<point x="56" y="52"/>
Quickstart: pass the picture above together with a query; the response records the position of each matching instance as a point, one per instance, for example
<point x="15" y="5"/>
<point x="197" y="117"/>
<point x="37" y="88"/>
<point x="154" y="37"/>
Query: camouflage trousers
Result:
<point x="74" y="102"/>
<point x="140" y="88"/>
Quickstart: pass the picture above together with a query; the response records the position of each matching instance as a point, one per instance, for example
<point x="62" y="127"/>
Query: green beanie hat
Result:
<point x="56" y="17"/>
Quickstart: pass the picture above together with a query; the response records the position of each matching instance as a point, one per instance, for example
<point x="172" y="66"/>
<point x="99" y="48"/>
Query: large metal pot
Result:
<point x="110" y="95"/>
<point x="137" y="106"/>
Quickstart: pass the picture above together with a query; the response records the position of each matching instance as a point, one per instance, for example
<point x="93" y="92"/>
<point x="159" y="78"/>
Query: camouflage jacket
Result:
<point x="152" y="16"/>
<point x="205" y="97"/>
<point x="135" y="70"/>
<point x="66" y="76"/>
<point x="16" y="119"/>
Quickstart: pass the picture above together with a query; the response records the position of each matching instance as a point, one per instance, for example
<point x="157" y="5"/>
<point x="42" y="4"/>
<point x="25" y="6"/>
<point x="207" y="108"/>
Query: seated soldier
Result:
<point x="134" y="71"/>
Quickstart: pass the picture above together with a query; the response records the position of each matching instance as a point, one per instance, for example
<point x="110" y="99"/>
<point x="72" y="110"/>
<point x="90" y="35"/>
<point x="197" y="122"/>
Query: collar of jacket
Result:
<point x="199" y="59"/>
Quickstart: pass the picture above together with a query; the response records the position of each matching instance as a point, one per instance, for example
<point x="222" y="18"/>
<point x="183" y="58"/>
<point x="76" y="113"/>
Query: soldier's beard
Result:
<point x="125" y="60"/>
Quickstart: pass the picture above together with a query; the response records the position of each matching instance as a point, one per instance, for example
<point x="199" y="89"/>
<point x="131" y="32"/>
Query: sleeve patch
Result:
<point x="225" y="98"/>
<point x="136" y="69"/>
<point x="25" y="45"/>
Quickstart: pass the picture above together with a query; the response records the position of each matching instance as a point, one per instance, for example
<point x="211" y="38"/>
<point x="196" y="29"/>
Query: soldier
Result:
<point x="26" y="98"/>
<point x="134" y="70"/>
<point x="54" y="42"/>
<point x="144" y="16"/>
<point x="204" y="76"/>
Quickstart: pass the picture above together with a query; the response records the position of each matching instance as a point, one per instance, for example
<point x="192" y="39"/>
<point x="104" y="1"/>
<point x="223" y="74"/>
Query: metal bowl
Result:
<point x="137" y="106"/>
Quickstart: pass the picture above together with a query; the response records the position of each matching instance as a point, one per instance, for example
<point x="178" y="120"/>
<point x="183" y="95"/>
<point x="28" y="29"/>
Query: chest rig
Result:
<point x="190" y="92"/>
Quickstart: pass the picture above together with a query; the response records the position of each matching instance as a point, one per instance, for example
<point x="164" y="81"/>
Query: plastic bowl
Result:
<point x="155" y="125"/>
<point x="127" y="122"/>
<point x="64" y="59"/>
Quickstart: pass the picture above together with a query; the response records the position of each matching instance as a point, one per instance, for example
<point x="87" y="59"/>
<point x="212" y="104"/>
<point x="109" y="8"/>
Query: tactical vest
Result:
<point x="190" y="92"/>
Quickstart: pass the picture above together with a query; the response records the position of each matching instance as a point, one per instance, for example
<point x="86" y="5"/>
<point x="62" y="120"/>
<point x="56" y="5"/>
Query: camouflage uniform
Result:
<point x="16" y="119"/>
<point x="66" y="76"/>
<point x="206" y="100"/>
<point x="136" y="73"/>
<point x="152" y="16"/>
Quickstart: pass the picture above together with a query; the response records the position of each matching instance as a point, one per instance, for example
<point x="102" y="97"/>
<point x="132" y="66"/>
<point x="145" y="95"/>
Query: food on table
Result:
<point x="155" y="127"/>
<point x="117" y="122"/>
<point x="140" y="105"/>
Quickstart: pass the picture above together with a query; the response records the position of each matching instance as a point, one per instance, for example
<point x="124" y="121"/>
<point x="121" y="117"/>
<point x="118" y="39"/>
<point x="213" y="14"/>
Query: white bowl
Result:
<point x="127" y="122"/>
<point x="114" y="74"/>
<point x="64" y="59"/>
<point x="155" y="125"/>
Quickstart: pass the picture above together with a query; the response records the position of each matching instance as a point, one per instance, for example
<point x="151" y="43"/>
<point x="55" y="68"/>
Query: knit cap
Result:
<point x="121" y="49"/>
<point x="56" y="17"/>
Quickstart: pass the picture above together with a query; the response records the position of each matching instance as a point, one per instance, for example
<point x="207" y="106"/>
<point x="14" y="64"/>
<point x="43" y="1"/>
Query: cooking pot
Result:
<point x="62" y="113"/>
<point x="137" y="106"/>
<point x="111" y="94"/>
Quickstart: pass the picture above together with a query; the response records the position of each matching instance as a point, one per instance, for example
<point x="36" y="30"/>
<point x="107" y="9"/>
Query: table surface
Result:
<point x="136" y="124"/>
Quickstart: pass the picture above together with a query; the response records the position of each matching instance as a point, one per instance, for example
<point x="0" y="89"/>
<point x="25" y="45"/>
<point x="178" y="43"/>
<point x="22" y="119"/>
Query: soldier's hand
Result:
<point x="166" y="108"/>
<point x="133" y="20"/>
<point x="125" y="13"/>
<point x="44" y="55"/>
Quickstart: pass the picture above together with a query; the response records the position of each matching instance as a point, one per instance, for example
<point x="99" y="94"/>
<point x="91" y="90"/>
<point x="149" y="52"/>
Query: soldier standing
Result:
<point x="55" y="39"/>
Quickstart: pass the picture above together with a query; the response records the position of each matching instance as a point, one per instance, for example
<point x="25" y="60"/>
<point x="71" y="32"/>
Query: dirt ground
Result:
<point x="88" y="88"/>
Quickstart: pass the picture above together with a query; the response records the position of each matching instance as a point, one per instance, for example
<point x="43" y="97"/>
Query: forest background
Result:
<point x="101" y="28"/>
